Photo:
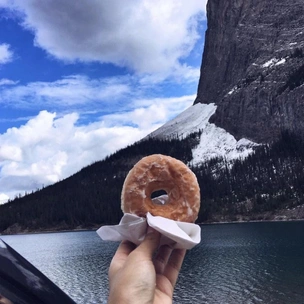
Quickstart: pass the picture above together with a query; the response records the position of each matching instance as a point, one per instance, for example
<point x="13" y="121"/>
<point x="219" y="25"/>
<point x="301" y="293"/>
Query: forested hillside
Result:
<point x="89" y="197"/>
<point x="266" y="181"/>
<point x="269" y="180"/>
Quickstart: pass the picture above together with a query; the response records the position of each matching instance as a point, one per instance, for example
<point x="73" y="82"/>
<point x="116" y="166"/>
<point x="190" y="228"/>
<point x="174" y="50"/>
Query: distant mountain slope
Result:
<point x="214" y="141"/>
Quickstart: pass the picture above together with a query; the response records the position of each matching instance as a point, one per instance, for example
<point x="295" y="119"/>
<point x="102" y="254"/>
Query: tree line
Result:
<point x="269" y="179"/>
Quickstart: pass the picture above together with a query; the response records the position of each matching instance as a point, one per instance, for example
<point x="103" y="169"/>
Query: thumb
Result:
<point x="150" y="243"/>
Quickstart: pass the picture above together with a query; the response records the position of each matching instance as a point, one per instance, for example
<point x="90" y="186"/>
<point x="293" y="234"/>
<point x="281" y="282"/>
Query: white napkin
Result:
<point x="133" y="228"/>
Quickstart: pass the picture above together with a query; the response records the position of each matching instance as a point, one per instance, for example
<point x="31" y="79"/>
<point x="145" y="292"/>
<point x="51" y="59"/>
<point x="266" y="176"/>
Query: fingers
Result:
<point x="145" y="250"/>
<point x="149" y="244"/>
<point x="167" y="261"/>
<point x="174" y="265"/>
<point x="161" y="258"/>
<point x="119" y="258"/>
<point x="125" y="248"/>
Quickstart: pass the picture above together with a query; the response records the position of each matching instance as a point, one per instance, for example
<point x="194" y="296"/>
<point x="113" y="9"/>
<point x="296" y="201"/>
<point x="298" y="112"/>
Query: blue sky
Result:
<point x="81" y="79"/>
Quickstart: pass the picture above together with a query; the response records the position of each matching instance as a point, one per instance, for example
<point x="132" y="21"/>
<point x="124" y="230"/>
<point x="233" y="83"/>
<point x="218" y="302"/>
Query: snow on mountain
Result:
<point x="214" y="141"/>
<point x="191" y="120"/>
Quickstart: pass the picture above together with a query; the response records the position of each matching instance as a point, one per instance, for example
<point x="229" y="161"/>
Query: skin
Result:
<point x="144" y="274"/>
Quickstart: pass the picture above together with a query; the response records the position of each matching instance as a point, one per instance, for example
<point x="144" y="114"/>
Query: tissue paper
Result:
<point x="133" y="228"/>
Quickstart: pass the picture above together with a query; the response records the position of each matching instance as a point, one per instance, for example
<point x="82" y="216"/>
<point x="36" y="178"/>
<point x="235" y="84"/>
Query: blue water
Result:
<point x="235" y="263"/>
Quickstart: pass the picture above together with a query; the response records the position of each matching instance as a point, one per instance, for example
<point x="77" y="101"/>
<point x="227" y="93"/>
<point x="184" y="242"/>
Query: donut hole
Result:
<point x="159" y="197"/>
<point x="157" y="193"/>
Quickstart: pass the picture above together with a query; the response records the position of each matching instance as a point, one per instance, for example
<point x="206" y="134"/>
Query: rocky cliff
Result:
<point x="253" y="67"/>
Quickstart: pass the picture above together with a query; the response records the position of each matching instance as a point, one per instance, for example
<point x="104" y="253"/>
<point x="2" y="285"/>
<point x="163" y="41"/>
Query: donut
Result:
<point x="159" y="172"/>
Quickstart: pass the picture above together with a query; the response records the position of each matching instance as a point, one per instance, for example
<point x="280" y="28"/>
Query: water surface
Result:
<point x="235" y="263"/>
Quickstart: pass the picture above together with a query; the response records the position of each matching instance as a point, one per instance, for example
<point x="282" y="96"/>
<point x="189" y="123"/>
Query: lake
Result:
<point x="235" y="263"/>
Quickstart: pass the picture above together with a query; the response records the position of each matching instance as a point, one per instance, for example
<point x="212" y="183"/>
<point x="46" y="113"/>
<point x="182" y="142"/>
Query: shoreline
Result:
<point x="95" y="228"/>
<point x="42" y="231"/>
<point x="251" y="221"/>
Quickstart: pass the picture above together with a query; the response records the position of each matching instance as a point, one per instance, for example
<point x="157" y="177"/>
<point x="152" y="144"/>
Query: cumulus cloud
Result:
<point x="152" y="38"/>
<point x="143" y="35"/>
<point x="50" y="147"/>
<point x="6" y="55"/>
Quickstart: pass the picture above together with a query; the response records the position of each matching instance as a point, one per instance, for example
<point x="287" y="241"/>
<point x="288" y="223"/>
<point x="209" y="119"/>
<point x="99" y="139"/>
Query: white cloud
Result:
<point x="179" y="74"/>
<point x="5" y="82"/>
<point x="152" y="38"/>
<point x="3" y="198"/>
<point x="6" y="55"/>
<point x="15" y="119"/>
<point x="146" y="36"/>
<point x="69" y="91"/>
<point x="150" y="113"/>
<point x="80" y="92"/>
<point x="49" y="147"/>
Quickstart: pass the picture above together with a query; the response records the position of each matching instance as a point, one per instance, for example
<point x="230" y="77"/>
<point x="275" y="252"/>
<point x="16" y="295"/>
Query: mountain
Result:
<point x="215" y="142"/>
<point x="253" y="67"/>
<point x="243" y="136"/>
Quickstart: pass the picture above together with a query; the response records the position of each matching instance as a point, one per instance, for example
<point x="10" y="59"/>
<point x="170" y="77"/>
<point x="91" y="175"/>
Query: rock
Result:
<point x="253" y="67"/>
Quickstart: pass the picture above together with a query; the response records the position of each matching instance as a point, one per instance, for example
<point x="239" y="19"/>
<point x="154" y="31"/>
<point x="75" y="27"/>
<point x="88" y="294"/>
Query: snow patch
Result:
<point x="232" y="91"/>
<point x="273" y="61"/>
<point x="214" y="141"/>
<point x="191" y="120"/>
<point x="282" y="61"/>
<point x="269" y="63"/>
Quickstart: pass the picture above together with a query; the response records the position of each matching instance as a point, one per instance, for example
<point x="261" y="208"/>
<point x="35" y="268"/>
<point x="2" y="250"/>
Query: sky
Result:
<point x="80" y="80"/>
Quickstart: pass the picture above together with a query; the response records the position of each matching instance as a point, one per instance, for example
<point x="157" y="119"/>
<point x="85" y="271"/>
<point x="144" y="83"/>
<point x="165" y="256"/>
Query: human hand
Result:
<point x="137" y="276"/>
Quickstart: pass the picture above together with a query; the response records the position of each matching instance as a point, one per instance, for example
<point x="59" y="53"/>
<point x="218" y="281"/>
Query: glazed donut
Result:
<point x="159" y="172"/>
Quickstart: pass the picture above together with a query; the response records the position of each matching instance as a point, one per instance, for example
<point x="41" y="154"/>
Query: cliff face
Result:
<point x="253" y="67"/>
